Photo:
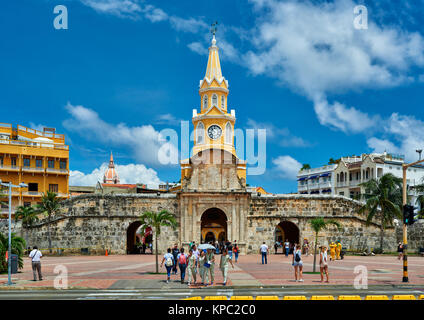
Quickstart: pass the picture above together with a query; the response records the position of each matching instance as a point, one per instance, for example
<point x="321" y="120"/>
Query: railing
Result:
<point x="319" y="169"/>
<point x="40" y="133"/>
<point x="342" y="184"/>
<point x="302" y="188"/>
<point x="61" y="171"/>
<point x="35" y="169"/>
<point x="31" y="193"/>
<point x="325" y="185"/>
<point x="35" y="144"/>
<point x="14" y="168"/>
<point x="62" y="195"/>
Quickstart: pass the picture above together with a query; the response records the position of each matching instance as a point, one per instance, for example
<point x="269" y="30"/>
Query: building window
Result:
<point x="1" y="161"/>
<point x="228" y="133"/>
<point x="53" y="188"/>
<point x="341" y="193"/>
<point x="62" y="164"/>
<point x="39" y="163"/>
<point x="33" y="187"/>
<point x="27" y="204"/>
<point x="13" y="162"/>
<point x="50" y="164"/>
<point x="200" y="133"/>
<point x="214" y="100"/>
<point x="223" y="102"/>
<point x="27" y="162"/>
<point x="205" y="101"/>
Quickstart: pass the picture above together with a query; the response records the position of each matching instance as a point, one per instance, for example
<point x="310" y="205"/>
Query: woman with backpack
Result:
<point x="192" y="264"/>
<point x="168" y="258"/>
<point x="298" y="263"/>
<point x="182" y="263"/>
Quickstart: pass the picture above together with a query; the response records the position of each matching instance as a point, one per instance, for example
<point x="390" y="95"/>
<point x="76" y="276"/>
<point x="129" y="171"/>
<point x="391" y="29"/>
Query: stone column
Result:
<point x="194" y="217"/>
<point x="182" y="221"/>
<point x="242" y="220"/>
<point x="234" y="223"/>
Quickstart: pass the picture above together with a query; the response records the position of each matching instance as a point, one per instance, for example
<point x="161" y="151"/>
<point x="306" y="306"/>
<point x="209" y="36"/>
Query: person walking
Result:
<point x="400" y="250"/>
<point x="182" y="263"/>
<point x="236" y="252"/>
<point x="276" y="246"/>
<point x="168" y="258"/>
<point x="230" y="249"/>
<point x="223" y="264"/>
<point x="35" y="255"/>
<point x="298" y="263"/>
<point x="286" y="247"/>
<point x="175" y="252"/>
<point x="192" y="265"/>
<point x="338" y="249"/>
<point x="203" y="270"/>
<point x="210" y="259"/>
<point x="323" y="263"/>
<point x="196" y="251"/>
<point x="332" y="251"/>
<point x="264" y="251"/>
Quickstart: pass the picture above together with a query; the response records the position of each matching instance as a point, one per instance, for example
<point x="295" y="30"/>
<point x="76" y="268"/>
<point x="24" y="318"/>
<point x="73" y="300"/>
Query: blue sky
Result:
<point x="124" y="70"/>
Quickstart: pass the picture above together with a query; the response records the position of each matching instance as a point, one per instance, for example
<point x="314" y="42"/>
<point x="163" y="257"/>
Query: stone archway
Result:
<point x="213" y="221"/>
<point x="132" y="237"/>
<point x="290" y="231"/>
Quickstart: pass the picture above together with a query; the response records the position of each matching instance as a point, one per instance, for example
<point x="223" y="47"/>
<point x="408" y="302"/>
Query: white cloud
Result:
<point x="128" y="174"/>
<point x="314" y="49"/>
<point x="287" y="166"/>
<point x="188" y="25"/>
<point x="147" y="144"/>
<point x="282" y="135"/>
<point x="198" y="47"/>
<point x="154" y="14"/>
<point x="168" y="118"/>
<point x="407" y="134"/>
<point x="120" y="8"/>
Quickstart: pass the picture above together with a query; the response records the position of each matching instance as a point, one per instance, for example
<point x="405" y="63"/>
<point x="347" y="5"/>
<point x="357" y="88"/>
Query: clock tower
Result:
<point x="213" y="122"/>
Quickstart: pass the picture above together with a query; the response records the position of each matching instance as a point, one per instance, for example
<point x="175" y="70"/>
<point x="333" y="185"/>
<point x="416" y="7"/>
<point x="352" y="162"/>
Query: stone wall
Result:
<point x="267" y="211"/>
<point x="415" y="235"/>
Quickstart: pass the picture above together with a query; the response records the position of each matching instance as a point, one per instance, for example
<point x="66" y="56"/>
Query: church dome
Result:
<point x="111" y="176"/>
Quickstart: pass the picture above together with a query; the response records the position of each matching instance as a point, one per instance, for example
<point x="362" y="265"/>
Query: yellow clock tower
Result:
<point x="214" y="124"/>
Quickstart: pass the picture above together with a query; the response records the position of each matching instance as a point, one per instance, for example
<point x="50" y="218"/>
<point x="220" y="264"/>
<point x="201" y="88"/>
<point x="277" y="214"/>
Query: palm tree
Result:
<point x="28" y="216"/>
<point x="49" y="206"/>
<point x="319" y="224"/>
<point x="156" y="220"/>
<point x="383" y="200"/>
<point x="17" y="245"/>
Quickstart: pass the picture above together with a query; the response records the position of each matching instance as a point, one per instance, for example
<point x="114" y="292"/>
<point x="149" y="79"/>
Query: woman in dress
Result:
<point x="202" y="268"/>
<point x="192" y="265"/>
<point x="323" y="263"/>
<point x="223" y="264"/>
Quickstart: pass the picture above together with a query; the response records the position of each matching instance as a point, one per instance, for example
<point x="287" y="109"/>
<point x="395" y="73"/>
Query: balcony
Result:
<point x="342" y="184"/>
<point x="57" y="171"/>
<point x="9" y="168"/>
<point x="33" y="169"/>
<point x="302" y="188"/>
<point x="32" y="194"/>
<point x="62" y="195"/>
<point x="325" y="185"/>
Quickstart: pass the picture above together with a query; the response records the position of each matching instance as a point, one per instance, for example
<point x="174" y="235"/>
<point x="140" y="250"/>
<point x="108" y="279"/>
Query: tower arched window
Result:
<point x="223" y="102"/>
<point x="200" y="133"/>
<point x="228" y="133"/>
<point x="214" y="100"/>
<point x="205" y="101"/>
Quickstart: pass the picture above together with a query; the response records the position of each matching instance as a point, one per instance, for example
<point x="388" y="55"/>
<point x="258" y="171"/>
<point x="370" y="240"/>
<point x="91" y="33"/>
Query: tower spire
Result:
<point x="213" y="69"/>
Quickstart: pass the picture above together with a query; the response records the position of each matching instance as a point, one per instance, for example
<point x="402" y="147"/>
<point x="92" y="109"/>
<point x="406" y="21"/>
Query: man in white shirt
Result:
<point x="195" y="251"/>
<point x="35" y="256"/>
<point x="264" y="251"/>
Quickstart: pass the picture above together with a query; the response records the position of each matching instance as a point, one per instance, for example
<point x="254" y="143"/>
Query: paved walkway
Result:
<point x="135" y="272"/>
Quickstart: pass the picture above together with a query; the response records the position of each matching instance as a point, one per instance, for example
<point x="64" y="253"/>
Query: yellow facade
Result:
<point x="38" y="159"/>
<point x="214" y="125"/>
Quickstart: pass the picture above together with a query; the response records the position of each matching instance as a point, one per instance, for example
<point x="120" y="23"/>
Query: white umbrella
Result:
<point x="205" y="246"/>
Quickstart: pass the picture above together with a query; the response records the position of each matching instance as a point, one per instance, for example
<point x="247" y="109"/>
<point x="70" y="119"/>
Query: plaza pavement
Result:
<point x="135" y="272"/>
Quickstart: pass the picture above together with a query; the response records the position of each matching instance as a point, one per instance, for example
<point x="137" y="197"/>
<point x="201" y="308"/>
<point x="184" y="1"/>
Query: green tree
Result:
<point x="317" y="225"/>
<point x="305" y="166"/>
<point x="28" y="215"/>
<point x="18" y="247"/>
<point x="383" y="201"/>
<point x="49" y="206"/>
<point x="332" y="161"/>
<point x="156" y="220"/>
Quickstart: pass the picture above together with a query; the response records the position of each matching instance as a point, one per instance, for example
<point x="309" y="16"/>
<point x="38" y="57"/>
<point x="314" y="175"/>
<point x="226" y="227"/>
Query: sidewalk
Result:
<point x="136" y="272"/>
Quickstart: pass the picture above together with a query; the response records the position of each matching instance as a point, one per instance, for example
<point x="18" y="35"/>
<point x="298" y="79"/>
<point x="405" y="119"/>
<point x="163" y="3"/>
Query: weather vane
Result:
<point x="214" y="27"/>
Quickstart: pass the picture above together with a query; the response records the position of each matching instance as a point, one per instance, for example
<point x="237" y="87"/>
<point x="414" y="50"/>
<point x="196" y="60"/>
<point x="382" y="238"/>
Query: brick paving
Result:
<point x="135" y="272"/>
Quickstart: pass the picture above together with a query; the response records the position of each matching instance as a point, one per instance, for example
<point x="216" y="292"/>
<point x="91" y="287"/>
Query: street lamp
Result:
<point x="10" y="186"/>
<point x="419" y="153"/>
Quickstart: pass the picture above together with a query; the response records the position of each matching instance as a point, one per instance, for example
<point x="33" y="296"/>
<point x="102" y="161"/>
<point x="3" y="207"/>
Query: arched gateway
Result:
<point x="213" y="226"/>
<point x="287" y="230"/>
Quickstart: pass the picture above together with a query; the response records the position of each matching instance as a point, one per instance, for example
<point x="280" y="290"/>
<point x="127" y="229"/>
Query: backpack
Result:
<point x="168" y="262"/>
<point x="182" y="259"/>
<point x="297" y="257"/>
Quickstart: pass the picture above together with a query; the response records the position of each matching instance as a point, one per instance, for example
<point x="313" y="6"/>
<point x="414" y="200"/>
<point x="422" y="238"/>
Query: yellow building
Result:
<point x="214" y="125"/>
<point x="38" y="159"/>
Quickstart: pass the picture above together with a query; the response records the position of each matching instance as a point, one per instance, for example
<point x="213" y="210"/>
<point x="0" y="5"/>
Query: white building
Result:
<point x="345" y="177"/>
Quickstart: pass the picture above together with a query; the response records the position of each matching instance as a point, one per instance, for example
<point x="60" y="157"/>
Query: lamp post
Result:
<point x="405" y="228"/>
<point x="9" y="262"/>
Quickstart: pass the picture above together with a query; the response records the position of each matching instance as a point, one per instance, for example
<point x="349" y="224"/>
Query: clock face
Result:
<point x="214" y="132"/>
